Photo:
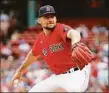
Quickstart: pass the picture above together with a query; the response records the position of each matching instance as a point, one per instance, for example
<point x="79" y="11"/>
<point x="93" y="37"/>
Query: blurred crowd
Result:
<point x="16" y="43"/>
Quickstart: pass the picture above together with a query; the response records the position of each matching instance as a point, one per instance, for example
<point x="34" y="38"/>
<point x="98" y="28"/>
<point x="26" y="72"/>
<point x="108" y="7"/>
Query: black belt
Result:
<point x="71" y="70"/>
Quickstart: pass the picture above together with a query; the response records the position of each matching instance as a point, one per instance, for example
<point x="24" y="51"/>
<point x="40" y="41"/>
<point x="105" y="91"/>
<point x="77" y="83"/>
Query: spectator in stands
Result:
<point x="83" y="29"/>
<point x="105" y="50"/>
<point x="100" y="32"/>
<point x="4" y="26"/>
<point x="102" y="76"/>
<point x="15" y="49"/>
<point x="5" y="51"/>
<point x="15" y="36"/>
<point x="24" y="47"/>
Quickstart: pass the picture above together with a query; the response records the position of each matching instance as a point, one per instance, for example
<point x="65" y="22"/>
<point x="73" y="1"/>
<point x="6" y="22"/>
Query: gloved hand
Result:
<point x="81" y="54"/>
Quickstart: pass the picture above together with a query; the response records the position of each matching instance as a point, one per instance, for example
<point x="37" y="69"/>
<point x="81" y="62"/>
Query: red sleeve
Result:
<point x="63" y="31"/>
<point x="36" y="47"/>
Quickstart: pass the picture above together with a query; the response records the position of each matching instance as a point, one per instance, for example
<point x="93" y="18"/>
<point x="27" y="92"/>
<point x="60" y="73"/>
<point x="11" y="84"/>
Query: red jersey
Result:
<point x="55" y="48"/>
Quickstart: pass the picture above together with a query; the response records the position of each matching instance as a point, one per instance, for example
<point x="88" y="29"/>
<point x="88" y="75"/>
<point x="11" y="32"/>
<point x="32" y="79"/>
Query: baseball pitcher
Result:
<point x="59" y="45"/>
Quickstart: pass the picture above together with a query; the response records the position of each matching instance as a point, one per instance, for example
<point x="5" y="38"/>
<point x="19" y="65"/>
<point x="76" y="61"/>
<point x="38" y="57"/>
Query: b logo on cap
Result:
<point x="47" y="8"/>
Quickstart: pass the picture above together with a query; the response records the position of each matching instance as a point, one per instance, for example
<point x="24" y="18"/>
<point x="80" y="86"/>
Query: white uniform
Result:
<point x="76" y="81"/>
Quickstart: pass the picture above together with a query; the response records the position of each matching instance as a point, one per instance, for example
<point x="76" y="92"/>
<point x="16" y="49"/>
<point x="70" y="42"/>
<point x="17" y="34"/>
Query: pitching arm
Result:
<point x="81" y="54"/>
<point x="30" y="58"/>
<point x="74" y="36"/>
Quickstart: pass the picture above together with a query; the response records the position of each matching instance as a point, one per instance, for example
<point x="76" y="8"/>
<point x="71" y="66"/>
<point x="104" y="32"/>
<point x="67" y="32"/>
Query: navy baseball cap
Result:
<point x="47" y="9"/>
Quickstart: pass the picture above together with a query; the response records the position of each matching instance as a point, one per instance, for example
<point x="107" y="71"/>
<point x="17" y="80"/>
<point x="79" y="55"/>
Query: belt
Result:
<point x="71" y="70"/>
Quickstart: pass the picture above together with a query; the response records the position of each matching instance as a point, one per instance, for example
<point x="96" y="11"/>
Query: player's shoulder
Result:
<point x="65" y="27"/>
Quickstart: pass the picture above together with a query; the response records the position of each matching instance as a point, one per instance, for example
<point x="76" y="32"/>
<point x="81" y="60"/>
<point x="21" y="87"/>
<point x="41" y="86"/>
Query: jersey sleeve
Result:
<point x="63" y="31"/>
<point x="36" y="49"/>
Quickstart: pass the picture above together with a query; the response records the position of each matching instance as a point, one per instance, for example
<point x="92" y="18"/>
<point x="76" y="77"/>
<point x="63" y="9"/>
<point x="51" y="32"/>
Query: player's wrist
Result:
<point x="74" y="45"/>
<point x="77" y="44"/>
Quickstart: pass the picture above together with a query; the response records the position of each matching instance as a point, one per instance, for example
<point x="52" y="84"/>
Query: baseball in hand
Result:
<point x="16" y="82"/>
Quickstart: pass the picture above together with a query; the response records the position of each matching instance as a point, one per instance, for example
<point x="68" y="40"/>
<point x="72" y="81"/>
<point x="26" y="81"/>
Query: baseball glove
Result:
<point x="81" y="54"/>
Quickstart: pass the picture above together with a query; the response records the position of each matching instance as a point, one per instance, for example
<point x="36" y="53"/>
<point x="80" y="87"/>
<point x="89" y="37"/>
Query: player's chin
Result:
<point x="51" y="26"/>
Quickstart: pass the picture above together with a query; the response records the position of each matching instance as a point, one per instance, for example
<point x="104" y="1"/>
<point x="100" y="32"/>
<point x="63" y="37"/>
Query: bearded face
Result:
<point x="48" y="21"/>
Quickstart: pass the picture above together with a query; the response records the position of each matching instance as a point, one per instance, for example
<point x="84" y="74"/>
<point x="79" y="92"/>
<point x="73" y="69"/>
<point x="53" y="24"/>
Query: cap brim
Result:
<point x="48" y="13"/>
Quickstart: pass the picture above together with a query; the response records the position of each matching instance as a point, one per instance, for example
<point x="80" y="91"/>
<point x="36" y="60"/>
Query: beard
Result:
<point x="50" y="27"/>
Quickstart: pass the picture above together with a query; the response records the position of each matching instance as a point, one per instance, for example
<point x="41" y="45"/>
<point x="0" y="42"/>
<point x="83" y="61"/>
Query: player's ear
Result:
<point x="38" y="20"/>
<point x="56" y="19"/>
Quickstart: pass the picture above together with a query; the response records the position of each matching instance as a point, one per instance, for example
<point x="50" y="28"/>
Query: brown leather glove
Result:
<point x="81" y="54"/>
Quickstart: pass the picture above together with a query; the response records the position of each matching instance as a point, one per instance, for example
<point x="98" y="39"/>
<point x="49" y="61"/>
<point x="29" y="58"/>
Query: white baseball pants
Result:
<point x="76" y="81"/>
